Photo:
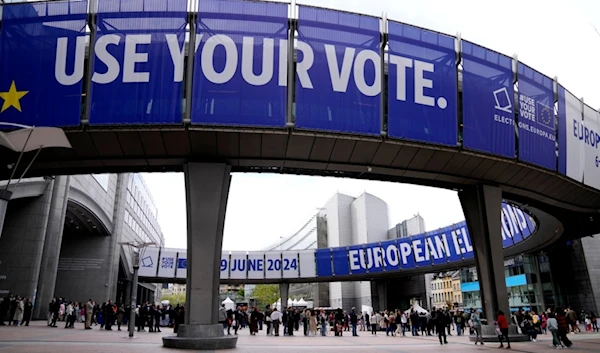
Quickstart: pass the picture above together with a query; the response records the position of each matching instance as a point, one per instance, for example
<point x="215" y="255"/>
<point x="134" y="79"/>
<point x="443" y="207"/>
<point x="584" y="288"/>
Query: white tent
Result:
<point x="290" y="302"/>
<point x="416" y="307"/>
<point x="295" y="302"/>
<point x="302" y="302"/>
<point x="229" y="304"/>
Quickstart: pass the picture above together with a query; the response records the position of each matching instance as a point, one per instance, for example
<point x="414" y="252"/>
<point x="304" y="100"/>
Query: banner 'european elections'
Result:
<point x="338" y="82"/>
<point x="570" y="147"/>
<point x="488" y="109"/>
<point x="42" y="52"/>
<point x="449" y="244"/>
<point x="138" y="62"/>
<point x="590" y="136"/>
<point x="422" y="83"/>
<point x="537" y="129"/>
<point x="240" y="66"/>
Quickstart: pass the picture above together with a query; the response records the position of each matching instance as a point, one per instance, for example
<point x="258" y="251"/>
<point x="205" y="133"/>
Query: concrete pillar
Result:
<point x="284" y="292"/>
<point x="22" y="244"/>
<point x="52" y="244"/>
<point x="207" y="189"/>
<point x="482" y="206"/>
<point x="4" y="198"/>
<point x="118" y="221"/>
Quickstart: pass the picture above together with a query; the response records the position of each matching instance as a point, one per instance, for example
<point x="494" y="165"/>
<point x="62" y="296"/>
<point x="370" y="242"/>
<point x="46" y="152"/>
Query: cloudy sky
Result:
<point x="558" y="38"/>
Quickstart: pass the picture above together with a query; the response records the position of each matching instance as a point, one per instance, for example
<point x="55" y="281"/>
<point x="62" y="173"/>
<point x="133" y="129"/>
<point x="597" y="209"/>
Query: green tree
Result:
<point x="241" y="293"/>
<point x="174" y="299"/>
<point x="266" y="294"/>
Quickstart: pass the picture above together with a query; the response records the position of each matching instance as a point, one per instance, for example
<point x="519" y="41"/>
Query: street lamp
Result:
<point x="136" y="250"/>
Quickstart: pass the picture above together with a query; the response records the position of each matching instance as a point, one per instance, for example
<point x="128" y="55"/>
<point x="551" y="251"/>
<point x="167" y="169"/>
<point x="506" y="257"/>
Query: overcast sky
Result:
<point x="555" y="37"/>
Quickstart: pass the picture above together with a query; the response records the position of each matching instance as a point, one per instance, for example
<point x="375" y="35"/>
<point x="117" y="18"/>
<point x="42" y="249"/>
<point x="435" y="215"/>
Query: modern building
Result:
<point x="407" y="228"/>
<point x="62" y="237"/>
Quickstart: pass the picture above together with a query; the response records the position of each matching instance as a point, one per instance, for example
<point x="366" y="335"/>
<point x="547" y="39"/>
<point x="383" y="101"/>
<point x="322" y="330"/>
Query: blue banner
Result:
<point x="537" y="128"/>
<point x="240" y="67"/>
<point x="340" y="261"/>
<point x="407" y="259"/>
<point x="423" y="85"/>
<point x="42" y="52"/>
<point x="488" y="95"/>
<point x="338" y="74"/>
<point x="138" y="62"/>
<point x="323" y="258"/>
<point x="357" y="258"/>
<point x="391" y="255"/>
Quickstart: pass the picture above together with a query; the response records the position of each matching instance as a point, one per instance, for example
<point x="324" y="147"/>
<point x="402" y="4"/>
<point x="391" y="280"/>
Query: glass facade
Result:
<point x="141" y="215"/>
<point x="528" y="281"/>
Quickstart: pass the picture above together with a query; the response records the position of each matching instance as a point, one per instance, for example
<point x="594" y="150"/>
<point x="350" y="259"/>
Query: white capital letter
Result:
<point x="339" y="78"/>
<point x="177" y="55"/>
<point x="112" y="65"/>
<point x="231" y="59"/>
<point x="401" y="64"/>
<point x="302" y="67"/>
<point x="132" y="57"/>
<point x="60" y="65"/>
<point x="267" y="61"/>
<point x="421" y="83"/>
<point x="359" y="73"/>
<point x="283" y="58"/>
<point x="354" y="260"/>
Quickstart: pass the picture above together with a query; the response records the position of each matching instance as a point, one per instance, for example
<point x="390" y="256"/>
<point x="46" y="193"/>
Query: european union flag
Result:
<point x="42" y="49"/>
<point x="181" y="263"/>
<point x="545" y="115"/>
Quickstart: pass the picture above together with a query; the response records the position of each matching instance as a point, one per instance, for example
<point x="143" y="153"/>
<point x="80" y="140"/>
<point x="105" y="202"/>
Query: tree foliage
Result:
<point x="174" y="299"/>
<point x="266" y="294"/>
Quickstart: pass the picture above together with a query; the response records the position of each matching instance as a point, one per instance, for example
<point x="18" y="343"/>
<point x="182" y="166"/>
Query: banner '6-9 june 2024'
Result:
<point x="139" y="72"/>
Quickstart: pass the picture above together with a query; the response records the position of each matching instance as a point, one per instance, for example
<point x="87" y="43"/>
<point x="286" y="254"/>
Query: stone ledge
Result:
<point x="200" y="343"/>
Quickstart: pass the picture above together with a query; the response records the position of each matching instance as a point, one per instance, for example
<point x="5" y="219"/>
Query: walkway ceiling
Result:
<point x="80" y="220"/>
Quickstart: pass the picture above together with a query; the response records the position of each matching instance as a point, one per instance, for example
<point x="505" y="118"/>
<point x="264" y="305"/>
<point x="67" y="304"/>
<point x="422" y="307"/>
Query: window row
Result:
<point x="138" y="230"/>
<point x="135" y="207"/>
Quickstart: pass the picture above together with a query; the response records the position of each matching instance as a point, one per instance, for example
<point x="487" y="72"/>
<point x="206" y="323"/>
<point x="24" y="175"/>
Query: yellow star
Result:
<point x="11" y="98"/>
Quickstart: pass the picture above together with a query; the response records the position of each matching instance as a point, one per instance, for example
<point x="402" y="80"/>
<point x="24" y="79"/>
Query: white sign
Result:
<point x="167" y="263"/>
<point x="575" y="149"/>
<point x="273" y="264"/>
<point x="148" y="262"/>
<point x="256" y="265"/>
<point x="182" y="264"/>
<point x="308" y="266"/>
<point x="237" y="265"/>
<point x="289" y="264"/>
<point x="591" y="139"/>
<point x="225" y="265"/>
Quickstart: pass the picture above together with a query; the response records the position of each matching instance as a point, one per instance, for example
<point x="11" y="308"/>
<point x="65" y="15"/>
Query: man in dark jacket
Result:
<point x="563" y="327"/>
<point x="441" y="322"/>
<point x="353" y="321"/>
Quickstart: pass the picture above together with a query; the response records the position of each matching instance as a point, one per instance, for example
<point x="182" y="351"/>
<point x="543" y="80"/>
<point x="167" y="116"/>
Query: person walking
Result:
<point x="441" y="322"/>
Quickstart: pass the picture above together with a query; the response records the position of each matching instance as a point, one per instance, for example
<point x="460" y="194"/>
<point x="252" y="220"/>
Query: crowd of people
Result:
<point x="558" y="322"/>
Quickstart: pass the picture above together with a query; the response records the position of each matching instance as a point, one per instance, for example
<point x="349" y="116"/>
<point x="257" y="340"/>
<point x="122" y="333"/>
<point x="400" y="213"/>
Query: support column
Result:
<point x="482" y="206"/>
<point x="52" y="244"/>
<point x="5" y="196"/>
<point x="207" y="189"/>
<point x="284" y="292"/>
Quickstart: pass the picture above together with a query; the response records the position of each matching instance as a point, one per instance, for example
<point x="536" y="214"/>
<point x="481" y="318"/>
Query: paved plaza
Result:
<point x="39" y="338"/>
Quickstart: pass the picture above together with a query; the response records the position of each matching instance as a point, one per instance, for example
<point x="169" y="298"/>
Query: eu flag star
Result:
<point x="12" y="97"/>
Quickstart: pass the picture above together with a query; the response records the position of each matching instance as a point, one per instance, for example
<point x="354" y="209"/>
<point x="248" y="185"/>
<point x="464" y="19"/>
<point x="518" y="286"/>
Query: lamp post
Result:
<point x="136" y="250"/>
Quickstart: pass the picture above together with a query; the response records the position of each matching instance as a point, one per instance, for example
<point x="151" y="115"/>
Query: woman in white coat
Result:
<point x="18" y="317"/>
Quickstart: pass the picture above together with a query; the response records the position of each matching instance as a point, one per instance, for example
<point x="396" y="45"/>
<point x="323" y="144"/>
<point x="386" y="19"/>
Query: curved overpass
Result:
<point x="329" y="105"/>
<point x="439" y="250"/>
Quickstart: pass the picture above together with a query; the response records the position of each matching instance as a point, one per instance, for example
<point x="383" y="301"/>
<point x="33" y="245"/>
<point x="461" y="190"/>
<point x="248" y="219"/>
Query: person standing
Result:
<point x="223" y="316"/>
<point x="276" y="318"/>
<point x="375" y="319"/>
<point x="563" y="327"/>
<point x="503" y="326"/>
<point x="20" y="308"/>
<point x="476" y="320"/>
<point x="28" y="312"/>
<point x="354" y="322"/>
<point x="69" y="314"/>
<point x="89" y="311"/>
<point x="268" y="320"/>
<point x="552" y="326"/>
<point x="441" y="322"/>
